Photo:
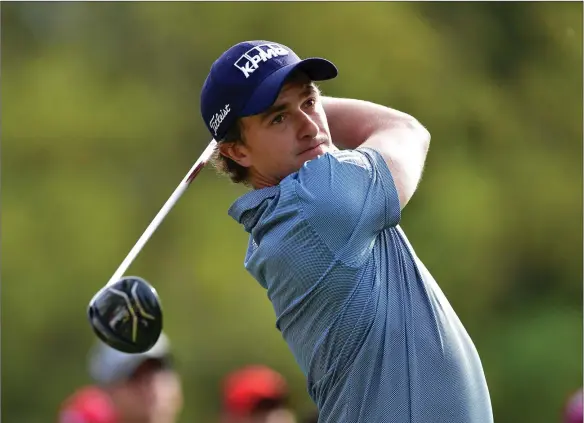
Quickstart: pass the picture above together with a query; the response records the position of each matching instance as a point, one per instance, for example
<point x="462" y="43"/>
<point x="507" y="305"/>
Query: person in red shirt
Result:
<point x="128" y="388"/>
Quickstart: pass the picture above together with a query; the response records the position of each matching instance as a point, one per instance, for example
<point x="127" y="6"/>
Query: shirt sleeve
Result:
<point x="348" y="197"/>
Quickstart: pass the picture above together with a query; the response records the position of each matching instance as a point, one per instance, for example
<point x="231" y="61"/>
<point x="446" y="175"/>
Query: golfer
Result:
<point x="329" y="177"/>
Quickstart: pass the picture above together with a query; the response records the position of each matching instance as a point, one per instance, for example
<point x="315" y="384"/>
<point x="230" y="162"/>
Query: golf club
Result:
<point x="126" y="313"/>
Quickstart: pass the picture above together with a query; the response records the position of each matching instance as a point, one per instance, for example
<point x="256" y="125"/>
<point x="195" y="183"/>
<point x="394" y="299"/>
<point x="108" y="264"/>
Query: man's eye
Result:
<point x="278" y="119"/>
<point x="310" y="102"/>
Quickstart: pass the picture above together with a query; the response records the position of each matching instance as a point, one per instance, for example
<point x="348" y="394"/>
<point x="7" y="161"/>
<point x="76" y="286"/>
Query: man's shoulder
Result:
<point x="317" y="170"/>
<point x="339" y="158"/>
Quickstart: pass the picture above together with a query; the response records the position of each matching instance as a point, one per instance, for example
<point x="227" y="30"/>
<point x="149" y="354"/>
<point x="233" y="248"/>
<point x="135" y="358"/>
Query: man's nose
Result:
<point x="308" y="127"/>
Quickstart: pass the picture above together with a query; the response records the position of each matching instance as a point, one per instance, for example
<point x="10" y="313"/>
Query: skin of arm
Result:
<point x="399" y="138"/>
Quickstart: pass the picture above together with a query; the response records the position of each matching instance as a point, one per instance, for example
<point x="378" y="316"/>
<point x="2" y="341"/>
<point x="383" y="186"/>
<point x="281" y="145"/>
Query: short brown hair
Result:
<point x="227" y="166"/>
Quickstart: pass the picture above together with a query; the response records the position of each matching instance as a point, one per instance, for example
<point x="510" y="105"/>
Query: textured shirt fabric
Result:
<point x="367" y="323"/>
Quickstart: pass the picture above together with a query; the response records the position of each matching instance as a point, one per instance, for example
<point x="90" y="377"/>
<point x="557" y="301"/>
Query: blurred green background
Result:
<point x="100" y="121"/>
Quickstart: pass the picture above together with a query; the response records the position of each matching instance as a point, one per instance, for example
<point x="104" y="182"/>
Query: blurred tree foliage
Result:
<point x="100" y="120"/>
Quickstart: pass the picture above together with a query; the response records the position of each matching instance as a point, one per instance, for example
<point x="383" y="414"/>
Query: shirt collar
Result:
<point x="251" y="202"/>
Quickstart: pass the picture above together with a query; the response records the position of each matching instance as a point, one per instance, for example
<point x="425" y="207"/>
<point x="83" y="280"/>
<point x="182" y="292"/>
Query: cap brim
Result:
<point x="316" y="68"/>
<point x="108" y="365"/>
<point x="245" y="388"/>
<point x="128" y="366"/>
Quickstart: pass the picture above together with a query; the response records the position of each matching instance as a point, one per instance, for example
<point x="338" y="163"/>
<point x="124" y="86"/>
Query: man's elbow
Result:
<point x="412" y="164"/>
<point x="422" y="135"/>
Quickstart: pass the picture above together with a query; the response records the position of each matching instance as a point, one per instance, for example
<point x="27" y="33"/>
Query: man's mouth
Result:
<point x="314" y="147"/>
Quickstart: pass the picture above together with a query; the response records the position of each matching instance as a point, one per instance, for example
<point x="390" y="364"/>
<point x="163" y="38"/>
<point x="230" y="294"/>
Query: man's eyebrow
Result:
<point x="309" y="89"/>
<point x="273" y="109"/>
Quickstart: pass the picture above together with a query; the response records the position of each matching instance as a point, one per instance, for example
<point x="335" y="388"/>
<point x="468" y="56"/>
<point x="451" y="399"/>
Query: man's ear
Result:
<point x="237" y="152"/>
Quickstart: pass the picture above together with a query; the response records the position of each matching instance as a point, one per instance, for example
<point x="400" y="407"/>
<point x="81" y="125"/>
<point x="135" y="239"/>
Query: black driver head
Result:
<point x="127" y="315"/>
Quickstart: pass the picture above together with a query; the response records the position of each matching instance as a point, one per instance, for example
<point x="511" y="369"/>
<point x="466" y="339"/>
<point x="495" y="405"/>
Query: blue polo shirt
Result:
<point x="367" y="323"/>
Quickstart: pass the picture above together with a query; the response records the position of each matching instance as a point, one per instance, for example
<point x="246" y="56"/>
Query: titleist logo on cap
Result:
<point x="254" y="57"/>
<point x="218" y="118"/>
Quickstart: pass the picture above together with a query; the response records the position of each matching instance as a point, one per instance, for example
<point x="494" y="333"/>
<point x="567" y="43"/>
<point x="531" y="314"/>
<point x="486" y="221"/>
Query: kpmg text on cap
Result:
<point x="250" y="60"/>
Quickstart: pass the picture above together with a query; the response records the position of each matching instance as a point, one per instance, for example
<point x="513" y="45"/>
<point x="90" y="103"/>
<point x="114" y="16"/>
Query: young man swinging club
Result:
<point x="367" y="323"/>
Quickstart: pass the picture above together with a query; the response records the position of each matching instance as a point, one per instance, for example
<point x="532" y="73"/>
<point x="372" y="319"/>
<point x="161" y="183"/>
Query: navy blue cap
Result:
<point x="247" y="78"/>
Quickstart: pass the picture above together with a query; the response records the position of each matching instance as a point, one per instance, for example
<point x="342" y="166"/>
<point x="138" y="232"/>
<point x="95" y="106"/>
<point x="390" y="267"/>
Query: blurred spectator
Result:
<point x="256" y="394"/>
<point x="129" y="388"/>
<point x="573" y="410"/>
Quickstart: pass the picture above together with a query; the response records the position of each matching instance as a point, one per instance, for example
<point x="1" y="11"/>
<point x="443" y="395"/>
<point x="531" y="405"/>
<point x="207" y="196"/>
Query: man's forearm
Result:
<point x="352" y="122"/>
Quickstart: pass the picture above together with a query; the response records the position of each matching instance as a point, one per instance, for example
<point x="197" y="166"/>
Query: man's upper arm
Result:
<point x="404" y="148"/>
<point x="348" y="197"/>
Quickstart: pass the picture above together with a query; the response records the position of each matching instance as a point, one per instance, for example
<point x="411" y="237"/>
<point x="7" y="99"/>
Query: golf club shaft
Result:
<point x="178" y="192"/>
